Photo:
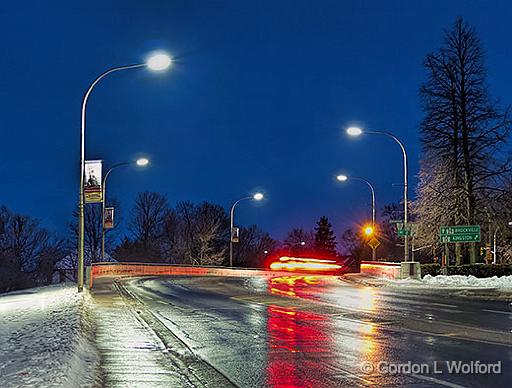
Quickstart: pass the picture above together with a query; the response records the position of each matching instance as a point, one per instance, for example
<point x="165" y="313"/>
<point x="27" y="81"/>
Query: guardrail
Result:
<point x="381" y="269"/>
<point x="148" y="269"/>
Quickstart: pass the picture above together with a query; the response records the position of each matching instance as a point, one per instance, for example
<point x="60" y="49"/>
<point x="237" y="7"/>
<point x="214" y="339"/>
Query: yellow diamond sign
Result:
<point x="373" y="243"/>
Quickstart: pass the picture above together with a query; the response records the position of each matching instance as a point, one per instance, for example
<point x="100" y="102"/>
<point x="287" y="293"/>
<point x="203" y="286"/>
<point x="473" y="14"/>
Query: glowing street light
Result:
<point x="368" y="230"/>
<point x="356" y="131"/>
<point x="232" y="237"/>
<point x="156" y="62"/>
<point x="344" y="178"/>
<point x="141" y="162"/>
<point x="159" y="62"/>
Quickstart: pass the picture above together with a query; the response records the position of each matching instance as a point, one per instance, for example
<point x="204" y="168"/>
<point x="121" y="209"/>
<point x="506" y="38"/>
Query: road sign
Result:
<point x="396" y="221"/>
<point x="462" y="229"/>
<point x="403" y="232"/>
<point x="373" y="243"/>
<point x="460" y="234"/>
<point x="461" y="238"/>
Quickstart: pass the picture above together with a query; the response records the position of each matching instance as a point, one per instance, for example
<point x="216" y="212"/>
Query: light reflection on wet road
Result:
<point x="320" y="332"/>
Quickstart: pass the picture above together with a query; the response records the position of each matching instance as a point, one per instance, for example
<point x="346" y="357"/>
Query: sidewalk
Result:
<point x="132" y="355"/>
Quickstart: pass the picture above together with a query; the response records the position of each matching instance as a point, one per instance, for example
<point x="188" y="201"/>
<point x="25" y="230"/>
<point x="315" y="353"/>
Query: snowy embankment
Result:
<point x="456" y="281"/>
<point x="46" y="339"/>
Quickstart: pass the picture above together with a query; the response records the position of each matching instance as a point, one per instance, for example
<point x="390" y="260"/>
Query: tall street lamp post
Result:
<point x="255" y="197"/>
<point x="355" y="131"/>
<point x="142" y="162"/>
<point x="344" y="178"/>
<point x="156" y="62"/>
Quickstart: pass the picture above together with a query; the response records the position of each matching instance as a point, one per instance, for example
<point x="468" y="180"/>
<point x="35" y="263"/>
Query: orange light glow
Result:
<point x="368" y="230"/>
<point x="307" y="260"/>
<point x="291" y="280"/>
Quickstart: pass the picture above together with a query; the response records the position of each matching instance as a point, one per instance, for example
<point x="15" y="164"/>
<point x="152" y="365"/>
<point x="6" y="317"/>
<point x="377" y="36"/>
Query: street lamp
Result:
<point x="255" y="197"/>
<point x="156" y="63"/>
<point x="159" y="62"/>
<point x="368" y="230"/>
<point x="344" y="178"/>
<point x="356" y="131"/>
<point x="141" y="162"/>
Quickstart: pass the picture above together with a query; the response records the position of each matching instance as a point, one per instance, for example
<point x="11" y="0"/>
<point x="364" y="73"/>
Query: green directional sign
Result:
<point x="403" y="232"/>
<point x="460" y="234"/>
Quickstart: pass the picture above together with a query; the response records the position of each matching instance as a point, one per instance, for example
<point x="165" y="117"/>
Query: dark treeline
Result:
<point x="28" y="252"/>
<point x="186" y="233"/>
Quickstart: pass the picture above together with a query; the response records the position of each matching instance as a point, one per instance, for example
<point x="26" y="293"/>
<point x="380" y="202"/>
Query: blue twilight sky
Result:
<point x="257" y="98"/>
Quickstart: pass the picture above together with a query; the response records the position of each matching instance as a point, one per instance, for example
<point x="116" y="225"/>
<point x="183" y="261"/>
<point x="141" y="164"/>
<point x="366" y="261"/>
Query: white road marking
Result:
<point x="497" y="311"/>
<point x="437" y="381"/>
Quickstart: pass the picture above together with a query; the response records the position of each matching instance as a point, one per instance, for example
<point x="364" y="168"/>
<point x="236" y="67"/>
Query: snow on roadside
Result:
<point x="456" y="281"/>
<point x="46" y="339"/>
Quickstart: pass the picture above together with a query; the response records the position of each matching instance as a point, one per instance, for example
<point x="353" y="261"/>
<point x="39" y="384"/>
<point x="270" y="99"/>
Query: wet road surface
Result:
<point x="296" y="331"/>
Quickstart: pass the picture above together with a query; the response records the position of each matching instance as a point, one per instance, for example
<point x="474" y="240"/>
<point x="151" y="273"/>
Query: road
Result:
<point x="324" y="332"/>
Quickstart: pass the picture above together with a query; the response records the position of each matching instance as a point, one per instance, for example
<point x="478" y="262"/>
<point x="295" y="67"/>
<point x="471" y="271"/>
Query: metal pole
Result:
<point x="103" y="218"/>
<point x="372" y="189"/>
<point x="232" y="217"/>
<point x="231" y="235"/>
<point x="406" y="237"/>
<point x="103" y="203"/>
<point x="495" y="253"/>
<point x="80" y="274"/>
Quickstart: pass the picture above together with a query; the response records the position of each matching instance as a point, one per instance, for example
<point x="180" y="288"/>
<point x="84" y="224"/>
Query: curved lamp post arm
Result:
<point x="372" y="189"/>
<point x="81" y="226"/>
<point x="113" y="168"/>
<point x="231" y="222"/>
<point x="233" y="208"/>
<point x="103" y="204"/>
<point x="404" y="152"/>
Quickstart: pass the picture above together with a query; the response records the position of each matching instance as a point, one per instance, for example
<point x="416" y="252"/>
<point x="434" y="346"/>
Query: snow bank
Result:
<point x="468" y="281"/>
<point x="455" y="281"/>
<point x="46" y="339"/>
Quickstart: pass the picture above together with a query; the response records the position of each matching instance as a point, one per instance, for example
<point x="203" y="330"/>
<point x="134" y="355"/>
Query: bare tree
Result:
<point x="27" y="251"/>
<point x="298" y="240"/>
<point x="250" y="251"/>
<point x="93" y="230"/>
<point x="463" y="134"/>
<point x="148" y="219"/>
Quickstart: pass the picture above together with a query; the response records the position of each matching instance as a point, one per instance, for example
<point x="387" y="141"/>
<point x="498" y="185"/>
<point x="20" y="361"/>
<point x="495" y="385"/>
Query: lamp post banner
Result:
<point x="108" y="222"/>
<point x="92" y="183"/>
<point x="235" y="234"/>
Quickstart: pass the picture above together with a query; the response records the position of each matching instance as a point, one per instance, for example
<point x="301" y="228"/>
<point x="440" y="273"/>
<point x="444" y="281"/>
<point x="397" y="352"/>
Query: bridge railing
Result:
<point x="110" y="269"/>
<point x="388" y="270"/>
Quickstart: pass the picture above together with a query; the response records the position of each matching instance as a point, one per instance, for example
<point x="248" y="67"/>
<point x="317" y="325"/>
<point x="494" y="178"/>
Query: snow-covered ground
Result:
<point x="46" y="339"/>
<point x="456" y="281"/>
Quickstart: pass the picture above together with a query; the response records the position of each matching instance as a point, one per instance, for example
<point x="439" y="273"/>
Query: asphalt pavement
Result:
<point x="306" y="331"/>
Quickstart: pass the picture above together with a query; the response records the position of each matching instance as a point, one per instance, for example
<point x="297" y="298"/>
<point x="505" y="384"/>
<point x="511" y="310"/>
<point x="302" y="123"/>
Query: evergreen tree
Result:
<point x="325" y="240"/>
